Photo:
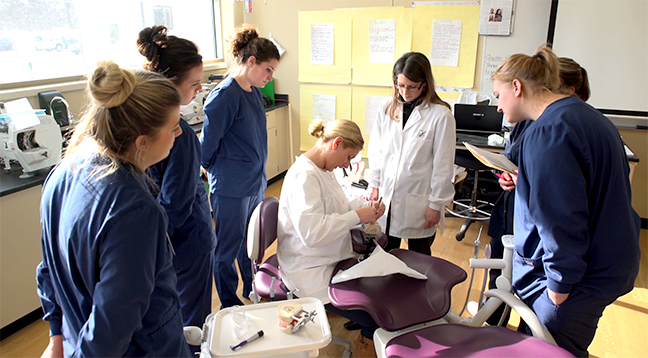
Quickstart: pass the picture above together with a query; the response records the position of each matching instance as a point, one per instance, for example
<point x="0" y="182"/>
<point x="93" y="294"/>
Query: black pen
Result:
<point x="248" y="340"/>
<point x="378" y="206"/>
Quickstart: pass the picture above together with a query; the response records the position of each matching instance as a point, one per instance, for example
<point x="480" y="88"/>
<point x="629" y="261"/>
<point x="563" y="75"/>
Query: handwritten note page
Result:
<point x="322" y="44"/>
<point x="365" y="107"/>
<point x="380" y="36"/>
<point x="382" y="40"/>
<point x="463" y="75"/>
<point x="321" y="102"/>
<point x="446" y="41"/>
<point x="323" y="107"/>
<point x="372" y="105"/>
<point x="333" y="32"/>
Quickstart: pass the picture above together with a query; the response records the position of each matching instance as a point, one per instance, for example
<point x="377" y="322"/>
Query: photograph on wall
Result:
<point x="495" y="17"/>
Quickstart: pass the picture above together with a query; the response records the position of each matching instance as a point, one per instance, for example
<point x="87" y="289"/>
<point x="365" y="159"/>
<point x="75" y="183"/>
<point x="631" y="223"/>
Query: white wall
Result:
<point x="609" y="38"/>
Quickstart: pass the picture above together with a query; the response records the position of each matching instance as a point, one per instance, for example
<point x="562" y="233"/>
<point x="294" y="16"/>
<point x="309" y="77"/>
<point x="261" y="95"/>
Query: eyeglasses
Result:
<point x="403" y="87"/>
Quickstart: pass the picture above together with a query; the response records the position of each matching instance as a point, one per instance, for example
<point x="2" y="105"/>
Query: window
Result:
<point x="47" y="39"/>
<point x="162" y="15"/>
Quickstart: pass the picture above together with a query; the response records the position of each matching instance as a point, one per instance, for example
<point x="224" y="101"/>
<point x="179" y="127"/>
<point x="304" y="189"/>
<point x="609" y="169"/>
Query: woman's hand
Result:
<point x="371" y="194"/>
<point x="432" y="218"/>
<point x="366" y="214"/>
<point x="203" y="174"/>
<point x="557" y="298"/>
<point x="379" y="207"/>
<point x="54" y="348"/>
<point x="507" y="181"/>
<point x="371" y="213"/>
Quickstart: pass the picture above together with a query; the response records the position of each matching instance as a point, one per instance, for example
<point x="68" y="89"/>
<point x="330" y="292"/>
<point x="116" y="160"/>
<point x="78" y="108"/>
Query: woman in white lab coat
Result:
<point x="315" y="216"/>
<point x="411" y="156"/>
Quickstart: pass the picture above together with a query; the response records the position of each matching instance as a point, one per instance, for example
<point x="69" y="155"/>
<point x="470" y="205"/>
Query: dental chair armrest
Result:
<point x="526" y="314"/>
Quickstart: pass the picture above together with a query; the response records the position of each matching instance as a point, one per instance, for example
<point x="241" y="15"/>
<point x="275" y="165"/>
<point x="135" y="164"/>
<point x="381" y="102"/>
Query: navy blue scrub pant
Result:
<point x="194" y="286"/>
<point x="232" y="216"/>
<point x="572" y="323"/>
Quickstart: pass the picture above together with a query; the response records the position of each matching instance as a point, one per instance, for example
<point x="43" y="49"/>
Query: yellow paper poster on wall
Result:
<point x="463" y="19"/>
<point x="380" y="37"/>
<point x="365" y="107"/>
<point x="321" y="102"/>
<point x="449" y="97"/>
<point x="324" y="39"/>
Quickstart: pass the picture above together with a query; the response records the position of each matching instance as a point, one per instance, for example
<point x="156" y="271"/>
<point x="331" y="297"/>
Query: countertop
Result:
<point x="277" y="104"/>
<point x="10" y="182"/>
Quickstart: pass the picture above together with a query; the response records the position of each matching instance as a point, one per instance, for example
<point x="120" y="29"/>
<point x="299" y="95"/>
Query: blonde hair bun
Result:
<point x="344" y="128"/>
<point x="110" y="85"/>
<point x="316" y="129"/>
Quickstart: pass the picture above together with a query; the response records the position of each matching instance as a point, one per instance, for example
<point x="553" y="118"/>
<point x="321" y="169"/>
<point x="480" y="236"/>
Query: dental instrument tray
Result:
<point x="263" y="316"/>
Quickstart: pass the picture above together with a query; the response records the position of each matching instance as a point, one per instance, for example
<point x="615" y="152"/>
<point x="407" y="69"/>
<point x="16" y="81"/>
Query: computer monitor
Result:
<point x="472" y="118"/>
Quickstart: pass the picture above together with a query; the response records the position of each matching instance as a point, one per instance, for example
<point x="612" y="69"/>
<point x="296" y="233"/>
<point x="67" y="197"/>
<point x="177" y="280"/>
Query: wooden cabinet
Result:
<point x="20" y="240"/>
<point x="277" y="124"/>
<point x="636" y="140"/>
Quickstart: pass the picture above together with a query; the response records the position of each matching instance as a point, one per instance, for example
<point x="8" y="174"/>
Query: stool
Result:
<point x="470" y="209"/>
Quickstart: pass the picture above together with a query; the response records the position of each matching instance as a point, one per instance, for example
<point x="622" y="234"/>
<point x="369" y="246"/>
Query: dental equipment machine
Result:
<point x="32" y="138"/>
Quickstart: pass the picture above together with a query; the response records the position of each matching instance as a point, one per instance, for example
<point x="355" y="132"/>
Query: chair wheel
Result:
<point x="460" y="236"/>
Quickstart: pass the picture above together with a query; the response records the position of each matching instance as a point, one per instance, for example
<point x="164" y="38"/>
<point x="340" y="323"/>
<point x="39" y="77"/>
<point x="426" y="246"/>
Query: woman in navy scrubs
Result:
<point x="179" y="188"/>
<point x="576" y="233"/>
<point x="106" y="282"/>
<point x="575" y="82"/>
<point x="234" y="152"/>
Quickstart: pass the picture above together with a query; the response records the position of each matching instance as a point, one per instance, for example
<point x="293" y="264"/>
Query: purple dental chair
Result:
<point x="262" y="232"/>
<point x="267" y="283"/>
<point x="413" y="314"/>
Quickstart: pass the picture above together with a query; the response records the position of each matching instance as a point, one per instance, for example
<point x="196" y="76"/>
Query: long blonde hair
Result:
<point x="416" y="67"/>
<point x="338" y="128"/>
<point x="124" y="105"/>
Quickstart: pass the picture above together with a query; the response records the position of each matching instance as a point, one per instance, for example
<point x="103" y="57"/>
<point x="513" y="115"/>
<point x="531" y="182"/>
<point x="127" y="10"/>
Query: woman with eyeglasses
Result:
<point x="411" y="156"/>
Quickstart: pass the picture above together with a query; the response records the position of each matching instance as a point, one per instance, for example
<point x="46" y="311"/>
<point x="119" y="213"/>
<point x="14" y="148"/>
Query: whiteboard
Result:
<point x="609" y="38"/>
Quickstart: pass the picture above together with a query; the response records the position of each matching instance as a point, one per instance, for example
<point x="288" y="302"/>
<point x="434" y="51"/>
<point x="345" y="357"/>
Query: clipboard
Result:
<point x="492" y="160"/>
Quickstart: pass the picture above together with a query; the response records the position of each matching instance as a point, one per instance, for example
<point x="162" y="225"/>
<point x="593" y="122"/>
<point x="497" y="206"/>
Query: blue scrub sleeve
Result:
<point x="558" y="202"/>
<point x="51" y="309"/>
<point x="131" y="256"/>
<point x="178" y="184"/>
<point x="219" y="117"/>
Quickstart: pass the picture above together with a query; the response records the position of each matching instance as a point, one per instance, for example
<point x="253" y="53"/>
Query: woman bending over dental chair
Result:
<point x="315" y="216"/>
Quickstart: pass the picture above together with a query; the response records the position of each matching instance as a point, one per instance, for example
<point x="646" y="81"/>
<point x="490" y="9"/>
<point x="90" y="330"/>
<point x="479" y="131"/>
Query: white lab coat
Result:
<point x="313" y="234"/>
<point x="413" y="166"/>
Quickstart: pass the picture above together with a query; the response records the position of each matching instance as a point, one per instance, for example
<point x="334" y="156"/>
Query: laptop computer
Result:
<point x="478" y="119"/>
